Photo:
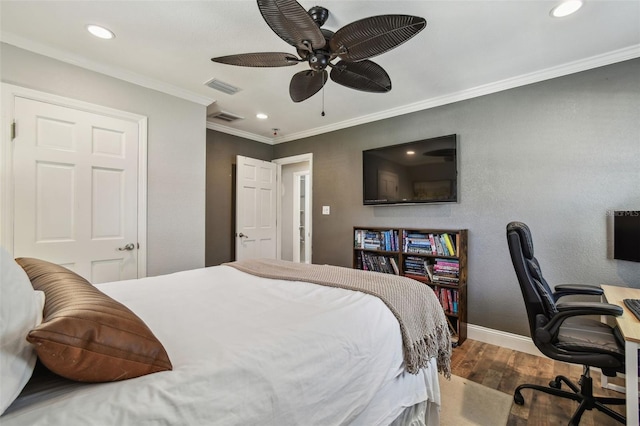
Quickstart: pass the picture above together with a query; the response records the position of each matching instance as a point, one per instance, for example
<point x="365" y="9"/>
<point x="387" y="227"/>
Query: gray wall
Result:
<point x="221" y="172"/>
<point x="558" y="155"/>
<point x="176" y="150"/>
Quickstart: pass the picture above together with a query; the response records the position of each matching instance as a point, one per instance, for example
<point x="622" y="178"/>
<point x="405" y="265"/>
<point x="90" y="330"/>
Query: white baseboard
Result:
<point x="502" y="338"/>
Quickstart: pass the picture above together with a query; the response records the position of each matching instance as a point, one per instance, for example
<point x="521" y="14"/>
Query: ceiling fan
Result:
<point x="352" y="44"/>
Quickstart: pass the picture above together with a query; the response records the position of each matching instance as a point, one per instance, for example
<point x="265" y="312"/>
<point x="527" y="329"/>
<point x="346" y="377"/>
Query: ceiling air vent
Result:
<point x="222" y="86"/>
<point x="225" y="116"/>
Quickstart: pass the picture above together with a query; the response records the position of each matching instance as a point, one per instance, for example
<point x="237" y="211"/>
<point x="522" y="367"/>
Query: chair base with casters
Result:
<point x="583" y="394"/>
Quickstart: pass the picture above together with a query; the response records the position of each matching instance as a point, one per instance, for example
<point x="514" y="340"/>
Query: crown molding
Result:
<point x="240" y="133"/>
<point x="609" y="58"/>
<point x="115" y="72"/>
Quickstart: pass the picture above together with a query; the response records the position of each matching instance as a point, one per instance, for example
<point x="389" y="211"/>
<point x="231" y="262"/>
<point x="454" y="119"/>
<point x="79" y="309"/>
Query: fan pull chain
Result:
<point x="323" y="82"/>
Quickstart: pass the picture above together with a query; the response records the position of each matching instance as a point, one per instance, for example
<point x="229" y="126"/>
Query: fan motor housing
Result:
<point x="318" y="61"/>
<point x="319" y="15"/>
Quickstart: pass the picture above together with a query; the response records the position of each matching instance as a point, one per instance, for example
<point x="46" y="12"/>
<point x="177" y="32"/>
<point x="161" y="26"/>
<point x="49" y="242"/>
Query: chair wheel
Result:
<point x="556" y="384"/>
<point x="518" y="398"/>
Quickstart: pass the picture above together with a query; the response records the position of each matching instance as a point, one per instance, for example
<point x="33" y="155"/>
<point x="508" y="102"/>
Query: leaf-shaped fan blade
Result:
<point x="291" y="23"/>
<point x="266" y="59"/>
<point x="306" y="84"/>
<point x="372" y="36"/>
<point x="364" y="75"/>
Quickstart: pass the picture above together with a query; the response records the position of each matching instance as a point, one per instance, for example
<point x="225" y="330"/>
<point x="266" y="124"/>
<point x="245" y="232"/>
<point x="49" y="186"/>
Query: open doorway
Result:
<point x="301" y="242"/>
<point x="295" y="201"/>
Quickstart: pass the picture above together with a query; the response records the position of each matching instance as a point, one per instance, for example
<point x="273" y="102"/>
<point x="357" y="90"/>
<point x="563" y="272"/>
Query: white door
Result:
<point x="255" y="209"/>
<point x="76" y="189"/>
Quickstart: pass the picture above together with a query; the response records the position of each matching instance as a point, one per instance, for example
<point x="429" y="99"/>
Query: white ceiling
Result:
<point x="469" y="48"/>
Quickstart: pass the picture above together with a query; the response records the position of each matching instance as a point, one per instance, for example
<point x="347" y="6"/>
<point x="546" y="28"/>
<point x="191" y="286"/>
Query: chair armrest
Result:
<point x="577" y="289"/>
<point x="572" y="309"/>
<point x="589" y="308"/>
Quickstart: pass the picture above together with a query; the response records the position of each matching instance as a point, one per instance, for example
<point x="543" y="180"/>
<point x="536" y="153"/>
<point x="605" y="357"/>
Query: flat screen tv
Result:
<point x="626" y="235"/>
<point x="423" y="171"/>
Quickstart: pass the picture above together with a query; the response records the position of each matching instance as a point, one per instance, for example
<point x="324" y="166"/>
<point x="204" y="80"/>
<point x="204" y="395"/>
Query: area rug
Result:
<point x="468" y="403"/>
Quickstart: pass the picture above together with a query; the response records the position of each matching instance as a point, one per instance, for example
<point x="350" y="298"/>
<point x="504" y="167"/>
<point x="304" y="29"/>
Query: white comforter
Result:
<point x="247" y="351"/>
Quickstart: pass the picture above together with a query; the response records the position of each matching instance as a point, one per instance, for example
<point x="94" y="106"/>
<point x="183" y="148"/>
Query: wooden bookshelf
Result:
<point x="435" y="257"/>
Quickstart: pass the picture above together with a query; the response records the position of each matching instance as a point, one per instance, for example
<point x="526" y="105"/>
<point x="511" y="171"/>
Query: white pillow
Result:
<point x="20" y="311"/>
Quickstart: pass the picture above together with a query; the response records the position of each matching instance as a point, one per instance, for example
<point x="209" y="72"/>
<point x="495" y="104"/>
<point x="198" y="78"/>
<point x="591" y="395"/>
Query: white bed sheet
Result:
<point x="247" y="351"/>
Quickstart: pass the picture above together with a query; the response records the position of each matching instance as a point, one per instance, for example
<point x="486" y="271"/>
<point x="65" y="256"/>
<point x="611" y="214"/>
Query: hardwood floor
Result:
<point x="504" y="369"/>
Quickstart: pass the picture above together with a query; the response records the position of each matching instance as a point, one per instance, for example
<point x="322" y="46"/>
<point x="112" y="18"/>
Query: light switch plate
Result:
<point x="326" y="209"/>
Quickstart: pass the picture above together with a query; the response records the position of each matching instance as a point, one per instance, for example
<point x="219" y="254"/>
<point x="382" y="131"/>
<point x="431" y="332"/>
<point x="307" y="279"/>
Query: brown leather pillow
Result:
<point x="87" y="336"/>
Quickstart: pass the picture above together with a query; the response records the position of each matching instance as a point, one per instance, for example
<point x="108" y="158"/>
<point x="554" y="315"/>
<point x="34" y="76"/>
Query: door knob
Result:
<point x="128" y="247"/>
<point x="241" y="235"/>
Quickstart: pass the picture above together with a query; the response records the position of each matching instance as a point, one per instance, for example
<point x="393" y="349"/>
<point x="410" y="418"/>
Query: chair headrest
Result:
<point x="524" y="233"/>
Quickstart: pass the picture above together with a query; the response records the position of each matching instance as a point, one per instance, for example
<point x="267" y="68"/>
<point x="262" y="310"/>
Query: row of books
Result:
<point x="444" y="271"/>
<point x="448" y="299"/>
<point x="443" y="244"/>
<point x="378" y="263"/>
<point x="376" y="240"/>
<point x="435" y="244"/>
<point x="414" y="265"/>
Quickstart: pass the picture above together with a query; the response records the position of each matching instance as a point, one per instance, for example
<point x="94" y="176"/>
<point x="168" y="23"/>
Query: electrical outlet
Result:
<point x="326" y="209"/>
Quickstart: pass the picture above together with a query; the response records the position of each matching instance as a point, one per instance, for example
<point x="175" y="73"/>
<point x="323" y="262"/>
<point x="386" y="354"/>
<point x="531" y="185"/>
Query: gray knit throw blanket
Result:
<point x="425" y="333"/>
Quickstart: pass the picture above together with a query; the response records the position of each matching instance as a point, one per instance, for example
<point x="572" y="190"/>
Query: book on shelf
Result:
<point x="415" y="265"/>
<point x="446" y="271"/>
<point x="448" y="299"/>
<point x="394" y="265"/>
<point x="441" y="279"/>
<point x="429" y="270"/>
<point x="378" y="263"/>
<point x="428" y="243"/>
<point x="376" y="240"/>
<point x="437" y="241"/>
<point x="450" y="245"/>
<point x="390" y="240"/>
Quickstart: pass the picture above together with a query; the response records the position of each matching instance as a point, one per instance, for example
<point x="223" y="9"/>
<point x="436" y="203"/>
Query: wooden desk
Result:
<point x="630" y="327"/>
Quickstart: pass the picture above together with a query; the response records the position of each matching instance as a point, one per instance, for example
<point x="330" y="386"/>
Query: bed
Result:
<point x="247" y="350"/>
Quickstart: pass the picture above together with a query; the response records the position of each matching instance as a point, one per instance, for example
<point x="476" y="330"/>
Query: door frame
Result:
<point x="302" y="158"/>
<point x="296" y="217"/>
<point x="9" y="93"/>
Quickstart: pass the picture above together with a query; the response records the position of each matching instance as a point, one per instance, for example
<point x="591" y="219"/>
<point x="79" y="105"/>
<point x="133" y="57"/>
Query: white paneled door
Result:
<point x="75" y="189"/>
<point x="255" y="209"/>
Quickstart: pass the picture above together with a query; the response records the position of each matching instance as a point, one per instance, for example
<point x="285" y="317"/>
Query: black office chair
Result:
<point x="561" y="331"/>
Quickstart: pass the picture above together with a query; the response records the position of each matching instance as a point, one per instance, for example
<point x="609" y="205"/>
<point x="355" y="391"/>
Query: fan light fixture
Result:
<point x="566" y="8"/>
<point x="100" y="32"/>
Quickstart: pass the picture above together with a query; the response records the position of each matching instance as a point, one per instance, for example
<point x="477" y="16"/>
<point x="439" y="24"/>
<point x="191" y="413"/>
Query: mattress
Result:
<point x="247" y="350"/>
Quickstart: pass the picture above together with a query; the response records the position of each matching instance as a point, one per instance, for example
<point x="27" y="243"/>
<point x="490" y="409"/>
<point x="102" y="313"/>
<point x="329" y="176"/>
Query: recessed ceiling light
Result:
<point x="566" y="8"/>
<point x="410" y="152"/>
<point x="262" y="116"/>
<point x="100" y="32"/>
